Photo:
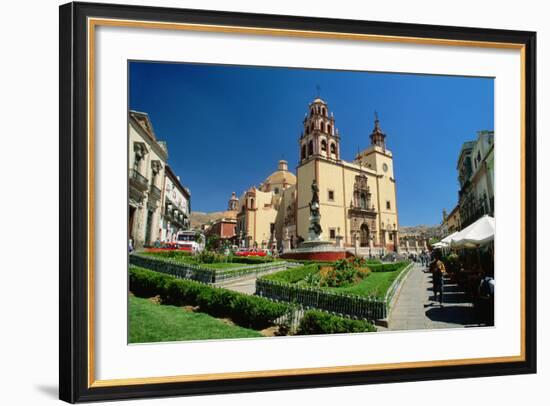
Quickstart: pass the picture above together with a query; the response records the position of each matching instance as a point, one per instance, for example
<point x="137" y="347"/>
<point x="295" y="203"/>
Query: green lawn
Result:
<point x="376" y="284"/>
<point x="150" y="322"/>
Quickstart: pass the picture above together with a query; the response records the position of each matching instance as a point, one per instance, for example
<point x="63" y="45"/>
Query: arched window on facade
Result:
<point x="323" y="146"/>
<point x="304" y="151"/>
<point x="333" y="148"/>
<point x="324" y="111"/>
<point x="251" y="202"/>
<point x="310" y="148"/>
<point x="329" y="129"/>
<point x="322" y="125"/>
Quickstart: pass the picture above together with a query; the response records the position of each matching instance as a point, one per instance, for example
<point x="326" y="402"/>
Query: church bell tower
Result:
<point x="320" y="137"/>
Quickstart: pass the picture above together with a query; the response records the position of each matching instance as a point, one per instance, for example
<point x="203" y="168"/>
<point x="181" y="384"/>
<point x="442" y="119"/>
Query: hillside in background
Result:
<point x="429" y="231"/>
<point x="198" y="218"/>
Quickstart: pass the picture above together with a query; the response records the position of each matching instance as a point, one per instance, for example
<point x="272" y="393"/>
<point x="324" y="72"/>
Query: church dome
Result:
<point x="281" y="176"/>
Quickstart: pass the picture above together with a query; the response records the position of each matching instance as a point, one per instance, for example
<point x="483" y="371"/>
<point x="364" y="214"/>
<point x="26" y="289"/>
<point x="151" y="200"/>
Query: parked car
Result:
<point x="251" y="252"/>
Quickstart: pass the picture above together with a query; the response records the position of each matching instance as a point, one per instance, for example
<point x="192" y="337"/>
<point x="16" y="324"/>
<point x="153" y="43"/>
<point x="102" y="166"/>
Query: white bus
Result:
<point x="190" y="240"/>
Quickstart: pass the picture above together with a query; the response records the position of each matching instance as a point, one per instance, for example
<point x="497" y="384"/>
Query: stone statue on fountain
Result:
<point x="315" y="229"/>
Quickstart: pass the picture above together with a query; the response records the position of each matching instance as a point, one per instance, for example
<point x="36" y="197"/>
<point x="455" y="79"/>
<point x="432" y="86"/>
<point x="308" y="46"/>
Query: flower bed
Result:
<point x="352" y="288"/>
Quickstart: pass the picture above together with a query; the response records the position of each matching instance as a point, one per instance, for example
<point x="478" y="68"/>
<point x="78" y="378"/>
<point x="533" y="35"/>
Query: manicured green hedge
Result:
<point x="145" y="283"/>
<point x="394" y="266"/>
<point x="167" y="254"/>
<point x="247" y="311"/>
<point x="251" y="260"/>
<point x="317" y="322"/>
<point x="293" y="275"/>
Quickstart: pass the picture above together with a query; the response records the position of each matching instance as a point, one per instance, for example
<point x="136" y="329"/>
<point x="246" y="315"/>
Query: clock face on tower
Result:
<point x="385" y="167"/>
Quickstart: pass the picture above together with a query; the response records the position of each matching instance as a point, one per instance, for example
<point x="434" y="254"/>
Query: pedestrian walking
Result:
<point x="438" y="272"/>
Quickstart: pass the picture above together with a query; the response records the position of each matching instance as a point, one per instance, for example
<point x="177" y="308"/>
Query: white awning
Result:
<point x="447" y="240"/>
<point x="476" y="234"/>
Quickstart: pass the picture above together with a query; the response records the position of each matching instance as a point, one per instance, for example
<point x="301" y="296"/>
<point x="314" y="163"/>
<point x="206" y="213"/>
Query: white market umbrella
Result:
<point x="439" y="245"/>
<point x="478" y="233"/>
<point x="447" y="240"/>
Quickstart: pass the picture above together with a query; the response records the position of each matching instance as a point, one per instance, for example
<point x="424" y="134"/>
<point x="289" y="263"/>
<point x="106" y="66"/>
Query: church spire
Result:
<point x="377" y="137"/>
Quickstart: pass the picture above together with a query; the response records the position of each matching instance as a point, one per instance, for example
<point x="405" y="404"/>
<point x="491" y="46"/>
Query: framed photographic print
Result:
<point x="257" y="202"/>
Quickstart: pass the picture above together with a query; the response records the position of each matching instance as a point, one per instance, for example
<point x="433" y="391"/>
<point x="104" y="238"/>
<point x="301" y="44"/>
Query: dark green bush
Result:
<point x="317" y="322"/>
<point x="293" y="275"/>
<point x="210" y="257"/>
<point x="144" y="283"/>
<point x="251" y="260"/>
<point x="168" y="254"/>
<point x="394" y="266"/>
<point x="247" y="311"/>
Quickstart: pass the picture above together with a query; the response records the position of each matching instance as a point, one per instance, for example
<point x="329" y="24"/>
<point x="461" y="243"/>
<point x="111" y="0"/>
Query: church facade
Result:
<point x="358" y="204"/>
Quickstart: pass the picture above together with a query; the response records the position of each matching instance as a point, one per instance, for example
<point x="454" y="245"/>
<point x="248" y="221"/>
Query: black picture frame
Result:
<point x="74" y="200"/>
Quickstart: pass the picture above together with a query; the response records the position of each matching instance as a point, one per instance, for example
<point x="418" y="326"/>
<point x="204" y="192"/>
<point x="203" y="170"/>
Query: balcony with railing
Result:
<point x="138" y="181"/>
<point x="154" y="193"/>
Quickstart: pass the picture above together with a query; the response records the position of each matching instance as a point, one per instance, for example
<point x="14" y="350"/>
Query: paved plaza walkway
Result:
<point x="415" y="308"/>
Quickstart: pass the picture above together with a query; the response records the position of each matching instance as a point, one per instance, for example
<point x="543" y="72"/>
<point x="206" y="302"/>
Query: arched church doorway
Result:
<point x="364" y="235"/>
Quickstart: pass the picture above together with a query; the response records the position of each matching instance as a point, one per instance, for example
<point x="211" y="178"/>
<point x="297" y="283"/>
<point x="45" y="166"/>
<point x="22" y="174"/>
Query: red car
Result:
<point x="250" y="252"/>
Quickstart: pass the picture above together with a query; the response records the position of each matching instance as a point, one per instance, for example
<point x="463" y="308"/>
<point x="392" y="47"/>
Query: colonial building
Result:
<point x="451" y="222"/>
<point x="176" y="207"/>
<point x="476" y="178"/>
<point x="225" y="227"/>
<point x="357" y="199"/>
<point x="147" y="162"/>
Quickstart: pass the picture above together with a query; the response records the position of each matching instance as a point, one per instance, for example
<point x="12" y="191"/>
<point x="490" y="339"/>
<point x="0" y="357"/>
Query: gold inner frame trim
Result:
<point x="94" y="22"/>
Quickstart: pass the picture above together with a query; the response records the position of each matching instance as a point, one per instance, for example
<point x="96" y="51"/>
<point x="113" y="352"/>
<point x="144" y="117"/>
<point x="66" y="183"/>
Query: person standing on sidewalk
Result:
<point x="438" y="271"/>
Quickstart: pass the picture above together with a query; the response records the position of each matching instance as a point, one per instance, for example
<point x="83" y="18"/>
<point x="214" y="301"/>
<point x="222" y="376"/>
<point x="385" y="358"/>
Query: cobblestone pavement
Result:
<point x="415" y="308"/>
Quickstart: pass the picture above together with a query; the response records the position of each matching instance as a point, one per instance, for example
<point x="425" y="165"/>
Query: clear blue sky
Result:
<point x="227" y="126"/>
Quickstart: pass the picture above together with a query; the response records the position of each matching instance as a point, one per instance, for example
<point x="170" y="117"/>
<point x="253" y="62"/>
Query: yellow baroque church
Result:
<point x="358" y="203"/>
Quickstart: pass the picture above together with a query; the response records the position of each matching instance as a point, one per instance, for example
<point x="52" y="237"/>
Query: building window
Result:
<point x="329" y="129"/>
<point x="391" y="237"/>
<point x="332" y="233"/>
<point x="331" y="195"/>
<point x="324" y="146"/>
<point x="363" y="200"/>
<point x="388" y="205"/>
<point x="276" y="190"/>
<point x="303" y="151"/>
<point x="310" y="148"/>
<point x="333" y="148"/>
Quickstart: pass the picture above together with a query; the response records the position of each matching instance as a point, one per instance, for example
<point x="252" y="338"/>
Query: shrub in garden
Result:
<point x="244" y="310"/>
<point x="251" y="260"/>
<point x="144" y="283"/>
<point x="394" y="266"/>
<point x="317" y="322"/>
<point x="210" y="257"/>
<point x="174" y="254"/>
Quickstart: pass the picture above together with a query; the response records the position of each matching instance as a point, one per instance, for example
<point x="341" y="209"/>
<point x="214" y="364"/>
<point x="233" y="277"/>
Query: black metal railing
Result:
<point x="154" y="193"/>
<point x="138" y="180"/>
